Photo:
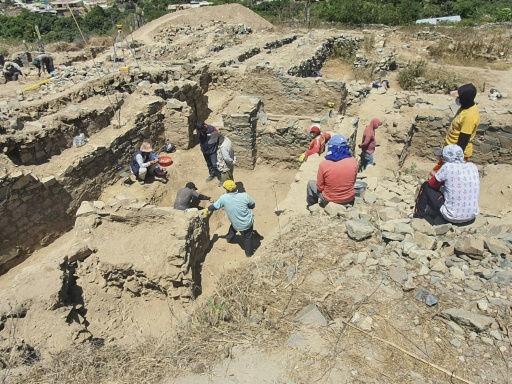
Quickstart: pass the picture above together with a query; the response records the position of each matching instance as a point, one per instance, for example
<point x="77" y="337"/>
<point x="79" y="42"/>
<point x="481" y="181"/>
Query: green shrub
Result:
<point x="407" y="77"/>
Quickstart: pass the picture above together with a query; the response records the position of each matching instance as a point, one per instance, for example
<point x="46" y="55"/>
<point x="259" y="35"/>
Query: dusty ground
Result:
<point x="295" y="354"/>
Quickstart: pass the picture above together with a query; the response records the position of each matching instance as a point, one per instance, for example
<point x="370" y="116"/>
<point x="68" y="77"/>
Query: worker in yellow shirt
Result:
<point x="464" y="125"/>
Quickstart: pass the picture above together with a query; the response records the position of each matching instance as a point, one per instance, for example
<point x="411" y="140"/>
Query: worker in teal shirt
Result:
<point x="238" y="207"/>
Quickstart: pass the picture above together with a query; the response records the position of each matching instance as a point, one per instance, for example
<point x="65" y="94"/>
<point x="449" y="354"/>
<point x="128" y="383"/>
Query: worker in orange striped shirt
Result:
<point x="318" y="143"/>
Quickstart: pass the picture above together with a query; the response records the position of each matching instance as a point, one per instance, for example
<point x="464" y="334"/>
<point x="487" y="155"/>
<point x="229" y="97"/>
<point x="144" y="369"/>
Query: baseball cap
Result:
<point x="337" y="140"/>
<point x="190" y="185"/>
<point x="229" y="185"/>
<point x="214" y="137"/>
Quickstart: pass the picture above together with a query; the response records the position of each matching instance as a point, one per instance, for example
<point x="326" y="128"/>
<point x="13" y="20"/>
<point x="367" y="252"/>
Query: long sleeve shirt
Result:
<point x="206" y="148"/>
<point x="11" y="67"/>
<point x="238" y="207"/>
<point x="316" y="146"/>
<point x="368" y="144"/>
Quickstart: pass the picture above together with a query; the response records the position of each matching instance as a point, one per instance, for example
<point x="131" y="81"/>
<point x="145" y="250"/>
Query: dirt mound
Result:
<point x="229" y="13"/>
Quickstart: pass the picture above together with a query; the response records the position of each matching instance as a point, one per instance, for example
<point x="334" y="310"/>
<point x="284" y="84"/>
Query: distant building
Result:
<point x="61" y="6"/>
<point x="89" y="4"/>
<point x="435" y="20"/>
<point x="193" y="4"/>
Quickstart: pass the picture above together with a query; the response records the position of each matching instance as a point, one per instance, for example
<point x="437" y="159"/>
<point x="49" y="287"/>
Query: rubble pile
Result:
<point x="447" y="287"/>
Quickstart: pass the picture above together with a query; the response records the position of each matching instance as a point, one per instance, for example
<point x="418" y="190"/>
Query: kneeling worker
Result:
<point x="188" y="198"/>
<point x="144" y="161"/>
<point x="238" y="207"/>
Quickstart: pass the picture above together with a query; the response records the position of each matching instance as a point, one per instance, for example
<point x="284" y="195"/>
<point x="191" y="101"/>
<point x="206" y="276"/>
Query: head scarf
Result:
<point x="453" y="154"/>
<point x="467" y="94"/>
<point x="337" y="148"/>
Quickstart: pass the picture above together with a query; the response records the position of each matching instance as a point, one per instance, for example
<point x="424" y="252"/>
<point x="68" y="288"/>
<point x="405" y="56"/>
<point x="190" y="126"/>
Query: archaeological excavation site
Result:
<point x="103" y="281"/>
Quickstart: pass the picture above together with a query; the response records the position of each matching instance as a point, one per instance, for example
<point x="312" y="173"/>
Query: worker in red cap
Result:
<point x="318" y="143"/>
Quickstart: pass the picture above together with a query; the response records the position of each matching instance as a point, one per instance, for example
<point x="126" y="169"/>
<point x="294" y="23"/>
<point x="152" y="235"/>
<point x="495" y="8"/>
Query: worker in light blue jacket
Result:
<point x="238" y="206"/>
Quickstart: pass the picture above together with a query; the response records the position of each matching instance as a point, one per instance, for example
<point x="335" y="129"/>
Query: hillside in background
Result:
<point x="101" y="21"/>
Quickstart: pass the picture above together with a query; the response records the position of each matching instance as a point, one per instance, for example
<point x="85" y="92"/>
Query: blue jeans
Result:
<point x="211" y="163"/>
<point x="366" y="160"/>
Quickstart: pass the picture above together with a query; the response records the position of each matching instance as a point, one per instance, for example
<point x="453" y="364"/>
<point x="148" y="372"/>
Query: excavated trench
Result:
<point x="45" y="178"/>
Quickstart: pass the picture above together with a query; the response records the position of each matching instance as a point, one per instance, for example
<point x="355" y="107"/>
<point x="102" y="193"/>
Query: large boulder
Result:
<point x="359" y="229"/>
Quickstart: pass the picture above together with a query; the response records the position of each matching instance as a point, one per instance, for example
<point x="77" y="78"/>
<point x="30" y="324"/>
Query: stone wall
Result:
<point x="282" y="139"/>
<point x="37" y="142"/>
<point x="172" y="268"/>
<point x="491" y="145"/>
<point x="322" y="53"/>
<point x="34" y="210"/>
<point x="240" y="121"/>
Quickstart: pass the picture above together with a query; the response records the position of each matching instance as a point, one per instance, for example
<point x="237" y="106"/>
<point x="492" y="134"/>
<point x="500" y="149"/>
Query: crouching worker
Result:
<point x="187" y="199"/>
<point x="238" y="206"/>
<point x="458" y="203"/>
<point x="336" y="175"/>
<point x="144" y="161"/>
<point x="317" y="144"/>
<point x="12" y="71"/>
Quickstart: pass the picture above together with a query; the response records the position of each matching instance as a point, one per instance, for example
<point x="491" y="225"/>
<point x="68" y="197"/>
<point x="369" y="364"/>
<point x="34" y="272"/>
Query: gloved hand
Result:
<point x="302" y="158"/>
<point x="205" y="213"/>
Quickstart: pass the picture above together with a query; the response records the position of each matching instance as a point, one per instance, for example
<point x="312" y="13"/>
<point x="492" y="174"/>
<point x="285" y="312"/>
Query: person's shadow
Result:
<point x="197" y="272"/>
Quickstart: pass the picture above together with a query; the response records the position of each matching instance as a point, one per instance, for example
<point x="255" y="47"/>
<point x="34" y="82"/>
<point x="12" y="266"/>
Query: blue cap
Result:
<point x="338" y="140"/>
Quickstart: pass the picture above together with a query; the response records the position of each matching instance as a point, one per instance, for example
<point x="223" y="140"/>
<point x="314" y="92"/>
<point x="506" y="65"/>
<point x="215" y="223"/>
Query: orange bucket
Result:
<point x="165" y="161"/>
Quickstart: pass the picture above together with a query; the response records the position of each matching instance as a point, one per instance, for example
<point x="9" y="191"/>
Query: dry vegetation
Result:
<point x="256" y="305"/>
<point x="417" y="71"/>
<point x="467" y="46"/>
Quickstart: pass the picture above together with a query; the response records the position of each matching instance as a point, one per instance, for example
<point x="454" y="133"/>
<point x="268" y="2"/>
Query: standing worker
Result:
<point x="226" y="159"/>
<point x="144" y="161"/>
<point x="188" y="198"/>
<point x="42" y="62"/>
<point x="317" y="144"/>
<point x="464" y="125"/>
<point x="238" y="206"/>
<point x="204" y="132"/>
<point x="368" y="144"/>
<point x="12" y="71"/>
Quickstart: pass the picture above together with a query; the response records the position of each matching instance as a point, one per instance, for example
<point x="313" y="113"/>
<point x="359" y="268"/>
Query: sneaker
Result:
<point x="246" y="255"/>
<point x="210" y="178"/>
<point x="141" y="182"/>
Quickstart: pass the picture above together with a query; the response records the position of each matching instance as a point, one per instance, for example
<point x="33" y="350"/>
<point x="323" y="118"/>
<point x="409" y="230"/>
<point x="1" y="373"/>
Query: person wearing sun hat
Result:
<point x="238" y="206"/>
<point x="464" y="125"/>
<point x="144" y="161"/>
<point x="336" y="175"/>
